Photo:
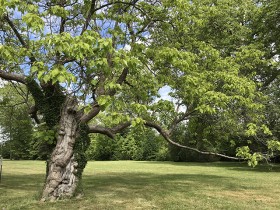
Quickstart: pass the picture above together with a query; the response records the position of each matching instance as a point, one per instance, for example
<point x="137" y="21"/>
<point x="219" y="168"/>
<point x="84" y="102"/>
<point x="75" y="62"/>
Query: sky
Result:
<point x="164" y="92"/>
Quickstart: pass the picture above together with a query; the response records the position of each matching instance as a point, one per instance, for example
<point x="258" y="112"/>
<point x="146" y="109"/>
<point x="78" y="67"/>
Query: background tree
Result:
<point x="16" y="126"/>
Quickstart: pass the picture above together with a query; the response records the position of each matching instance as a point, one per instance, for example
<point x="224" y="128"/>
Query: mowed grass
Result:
<point x="148" y="185"/>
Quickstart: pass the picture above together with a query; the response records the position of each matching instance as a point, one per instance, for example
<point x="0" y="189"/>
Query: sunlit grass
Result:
<point x="149" y="185"/>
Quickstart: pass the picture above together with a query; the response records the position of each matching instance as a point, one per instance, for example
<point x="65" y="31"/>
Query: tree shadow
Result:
<point x="236" y="166"/>
<point x="28" y="182"/>
<point x="149" y="184"/>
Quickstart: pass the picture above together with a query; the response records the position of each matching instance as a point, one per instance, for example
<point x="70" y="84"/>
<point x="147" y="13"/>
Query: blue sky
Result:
<point x="164" y="92"/>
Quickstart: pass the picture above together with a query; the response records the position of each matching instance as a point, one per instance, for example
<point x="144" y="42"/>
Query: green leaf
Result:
<point x="34" y="21"/>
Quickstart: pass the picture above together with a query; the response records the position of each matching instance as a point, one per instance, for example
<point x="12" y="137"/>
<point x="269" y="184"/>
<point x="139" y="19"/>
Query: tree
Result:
<point x="82" y="58"/>
<point x="16" y="126"/>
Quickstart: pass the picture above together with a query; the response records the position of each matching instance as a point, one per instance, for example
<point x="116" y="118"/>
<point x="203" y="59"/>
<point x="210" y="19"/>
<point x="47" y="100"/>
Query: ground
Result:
<point x="148" y="185"/>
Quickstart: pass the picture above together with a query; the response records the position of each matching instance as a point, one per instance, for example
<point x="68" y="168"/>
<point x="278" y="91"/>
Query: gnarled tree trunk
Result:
<point x="65" y="166"/>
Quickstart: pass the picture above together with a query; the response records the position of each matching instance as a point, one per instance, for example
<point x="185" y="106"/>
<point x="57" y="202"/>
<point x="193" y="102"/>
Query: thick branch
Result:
<point x="62" y="25"/>
<point x="102" y="130"/>
<point x="93" y="112"/>
<point x="120" y="127"/>
<point x="110" y="132"/>
<point x="13" y="77"/>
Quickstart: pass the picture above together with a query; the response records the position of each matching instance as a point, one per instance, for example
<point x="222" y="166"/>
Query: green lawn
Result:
<point x="149" y="185"/>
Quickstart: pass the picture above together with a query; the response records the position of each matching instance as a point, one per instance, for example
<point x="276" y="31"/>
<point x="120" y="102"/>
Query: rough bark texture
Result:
<point x="62" y="179"/>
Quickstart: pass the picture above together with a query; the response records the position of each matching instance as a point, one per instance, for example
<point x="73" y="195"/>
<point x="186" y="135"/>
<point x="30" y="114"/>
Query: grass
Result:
<point x="148" y="185"/>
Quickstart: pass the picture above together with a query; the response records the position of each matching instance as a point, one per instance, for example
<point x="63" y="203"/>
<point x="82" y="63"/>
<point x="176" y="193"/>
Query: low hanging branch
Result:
<point x="166" y="136"/>
<point x="110" y="132"/>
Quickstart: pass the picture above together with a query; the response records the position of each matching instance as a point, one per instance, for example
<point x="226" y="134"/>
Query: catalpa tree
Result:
<point x="80" y="58"/>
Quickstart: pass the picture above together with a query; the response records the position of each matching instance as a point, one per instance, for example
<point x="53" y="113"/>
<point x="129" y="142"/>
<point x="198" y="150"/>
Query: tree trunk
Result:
<point x="64" y="172"/>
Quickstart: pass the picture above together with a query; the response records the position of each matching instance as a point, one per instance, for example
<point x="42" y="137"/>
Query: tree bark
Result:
<point x="62" y="173"/>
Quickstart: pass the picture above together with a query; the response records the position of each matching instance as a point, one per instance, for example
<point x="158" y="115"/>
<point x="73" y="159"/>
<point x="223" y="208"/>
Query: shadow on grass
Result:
<point x="236" y="166"/>
<point x="153" y="185"/>
<point x="107" y="190"/>
<point x="30" y="182"/>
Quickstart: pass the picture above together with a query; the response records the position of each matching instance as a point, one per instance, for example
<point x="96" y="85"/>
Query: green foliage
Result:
<point x="80" y="147"/>
<point x="42" y="133"/>
<point x="274" y="145"/>
<point x="132" y="145"/>
<point x="253" y="159"/>
<point x="15" y="124"/>
<point x="33" y="21"/>
<point x="101" y="148"/>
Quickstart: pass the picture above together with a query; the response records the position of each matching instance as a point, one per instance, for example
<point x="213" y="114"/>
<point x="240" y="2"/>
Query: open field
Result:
<point x="149" y="185"/>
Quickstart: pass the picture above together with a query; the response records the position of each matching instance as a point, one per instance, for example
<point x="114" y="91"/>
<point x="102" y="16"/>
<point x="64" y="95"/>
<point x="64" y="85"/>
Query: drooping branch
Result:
<point x="166" y="136"/>
<point x="13" y="77"/>
<point x="110" y="132"/>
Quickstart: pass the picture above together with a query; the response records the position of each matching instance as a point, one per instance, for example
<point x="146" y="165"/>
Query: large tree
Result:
<point x="82" y="58"/>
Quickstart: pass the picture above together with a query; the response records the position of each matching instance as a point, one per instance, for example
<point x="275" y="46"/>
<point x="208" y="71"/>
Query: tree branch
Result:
<point x="110" y="132"/>
<point x="13" y="77"/>
<point x="102" y="130"/>
<point x="176" y="121"/>
<point x="90" y="13"/>
<point x="121" y="127"/>
<point x="33" y="114"/>
<point x="19" y="36"/>
<point x="93" y="112"/>
<point x="101" y="91"/>
<point x="273" y="76"/>
<point x="166" y="136"/>
<point x="116" y="2"/>
<point x="123" y="76"/>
